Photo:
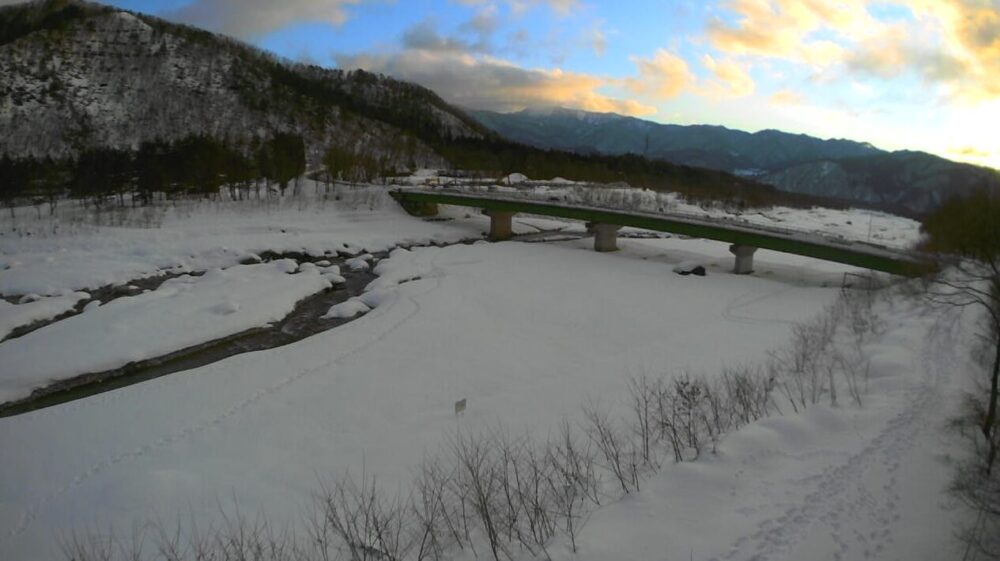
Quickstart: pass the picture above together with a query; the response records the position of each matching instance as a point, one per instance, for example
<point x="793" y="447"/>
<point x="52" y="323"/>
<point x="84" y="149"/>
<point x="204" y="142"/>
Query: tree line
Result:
<point x="189" y="166"/>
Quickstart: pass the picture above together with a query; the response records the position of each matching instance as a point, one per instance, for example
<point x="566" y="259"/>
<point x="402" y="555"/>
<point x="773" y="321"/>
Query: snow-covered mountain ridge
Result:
<point x="76" y="76"/>
<point x="905" y="181"/>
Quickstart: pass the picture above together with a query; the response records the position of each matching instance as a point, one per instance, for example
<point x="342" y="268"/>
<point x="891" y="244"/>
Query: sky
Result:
<point x="901" y="74"/>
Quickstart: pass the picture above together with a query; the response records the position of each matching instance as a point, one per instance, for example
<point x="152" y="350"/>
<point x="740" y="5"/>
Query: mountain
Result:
<point x="76" y="76"/>
<point x="908" y="182"/>
<point x="98" y="101"/>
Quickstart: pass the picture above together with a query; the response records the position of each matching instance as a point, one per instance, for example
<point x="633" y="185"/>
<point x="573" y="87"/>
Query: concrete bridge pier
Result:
<point x="605" y="236"/>
<point x="744" y="258"/>
<point x="500" y="225"/>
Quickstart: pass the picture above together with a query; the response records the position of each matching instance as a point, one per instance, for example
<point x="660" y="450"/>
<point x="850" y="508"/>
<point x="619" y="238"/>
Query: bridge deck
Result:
<point x="848" y="252"/>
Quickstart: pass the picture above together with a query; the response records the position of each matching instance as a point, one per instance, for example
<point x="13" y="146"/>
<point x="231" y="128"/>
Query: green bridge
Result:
<point x="744" y="239"/>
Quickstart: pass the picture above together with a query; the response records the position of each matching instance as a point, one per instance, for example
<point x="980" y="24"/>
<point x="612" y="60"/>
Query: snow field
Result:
<point x="182" y="312"/>
<point x="13" y="316"/>
<point x="842" y="483"/>
<point x="528" y="333"/>
<point x="200" y="237"/>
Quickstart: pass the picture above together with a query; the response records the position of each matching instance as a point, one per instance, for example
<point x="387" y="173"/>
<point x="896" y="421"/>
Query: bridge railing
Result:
<point x="511" y="195"/>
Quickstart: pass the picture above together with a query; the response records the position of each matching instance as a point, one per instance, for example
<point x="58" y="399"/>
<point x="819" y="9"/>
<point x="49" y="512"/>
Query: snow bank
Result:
<point x="348" y="309"/>
<point x="183" y="312"/>
<point x="514" y="179"/>
<point x="13" y="316"/>
<point x="202" y="237"/>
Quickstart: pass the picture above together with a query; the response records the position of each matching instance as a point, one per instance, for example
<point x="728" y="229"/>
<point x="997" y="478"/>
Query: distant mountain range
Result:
<point x="83" y="85"/>
<point x="95" y="99"/>
<point x="910" y="182"/>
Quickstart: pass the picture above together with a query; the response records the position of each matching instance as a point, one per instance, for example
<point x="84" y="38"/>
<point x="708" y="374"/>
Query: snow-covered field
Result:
<point x="181" y="313"/>
<point x="526" y="332"/>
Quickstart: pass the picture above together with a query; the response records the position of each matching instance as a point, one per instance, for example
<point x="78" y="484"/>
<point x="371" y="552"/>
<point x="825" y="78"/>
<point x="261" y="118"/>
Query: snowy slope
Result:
<point x="832" y="483"/>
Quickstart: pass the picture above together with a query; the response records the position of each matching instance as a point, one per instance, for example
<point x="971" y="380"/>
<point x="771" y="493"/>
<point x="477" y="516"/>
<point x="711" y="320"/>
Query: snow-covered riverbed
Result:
<point x="527" y="333"/>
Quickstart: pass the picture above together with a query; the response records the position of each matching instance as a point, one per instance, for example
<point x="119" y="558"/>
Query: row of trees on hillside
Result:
<point x="194" y="165"/>
<point x="501" y="157"/>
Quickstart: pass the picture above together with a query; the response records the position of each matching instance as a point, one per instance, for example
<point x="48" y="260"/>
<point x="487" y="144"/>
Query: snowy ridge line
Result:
<point x="689" y="217"/>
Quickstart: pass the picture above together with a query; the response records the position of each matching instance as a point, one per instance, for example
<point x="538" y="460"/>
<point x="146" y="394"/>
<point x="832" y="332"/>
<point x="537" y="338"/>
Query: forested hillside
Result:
<point x="97" y="101"/>
<point x="857" y="172"/>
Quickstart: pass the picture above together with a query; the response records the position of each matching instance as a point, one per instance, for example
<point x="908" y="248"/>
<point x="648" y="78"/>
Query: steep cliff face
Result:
<point x="76" y="76"/>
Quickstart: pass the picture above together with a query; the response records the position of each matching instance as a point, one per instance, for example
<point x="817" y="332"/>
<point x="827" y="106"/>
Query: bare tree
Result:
<point x="963" y="237"/>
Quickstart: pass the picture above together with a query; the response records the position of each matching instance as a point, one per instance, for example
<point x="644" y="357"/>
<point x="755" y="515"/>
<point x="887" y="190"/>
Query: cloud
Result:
<point x="786" y="98"/>
<point x="787" y="28"/>
<point x="485" y="22"/>
<point x="424" y="36"/>
<point x="951" y="43"/>
<point x="253" y="18"/>
<point x="970" y="31"/>
<point x="598" y="41"/>
<point x="731" y="80"/>
<point x="970" y="152"/>
<point x="520" y="7"/>
<point x="664" y="76"/>
<point x="486" y="82"/>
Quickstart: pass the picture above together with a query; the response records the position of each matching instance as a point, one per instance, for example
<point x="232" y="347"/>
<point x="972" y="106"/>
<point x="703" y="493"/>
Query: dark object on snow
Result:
<point x="698" y="271"/>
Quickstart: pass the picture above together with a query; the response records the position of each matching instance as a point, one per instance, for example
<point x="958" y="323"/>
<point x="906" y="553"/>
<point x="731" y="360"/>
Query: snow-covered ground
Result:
<point x="527" y="333"/>
<point x="181" y="313"/>
<point x="34" y="308"/>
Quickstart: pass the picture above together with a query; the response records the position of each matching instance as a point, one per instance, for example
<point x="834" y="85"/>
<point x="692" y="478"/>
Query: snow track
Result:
<point x="855" y="506"/>
<point x="150" y="447"/>
<point x="749" y="299"/>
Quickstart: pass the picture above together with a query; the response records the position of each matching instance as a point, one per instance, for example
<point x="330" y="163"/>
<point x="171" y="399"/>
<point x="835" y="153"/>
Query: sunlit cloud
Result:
<point x="786" y="28"/>
<point x="663" y="76"/>
<point x="786" y="97"/>
<point x="485" y="82"/>
<point x="730" y="79"/>
<point x="954" y="43"/>
<point x="970" y="30"/>
<point x="970" y="152"/>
